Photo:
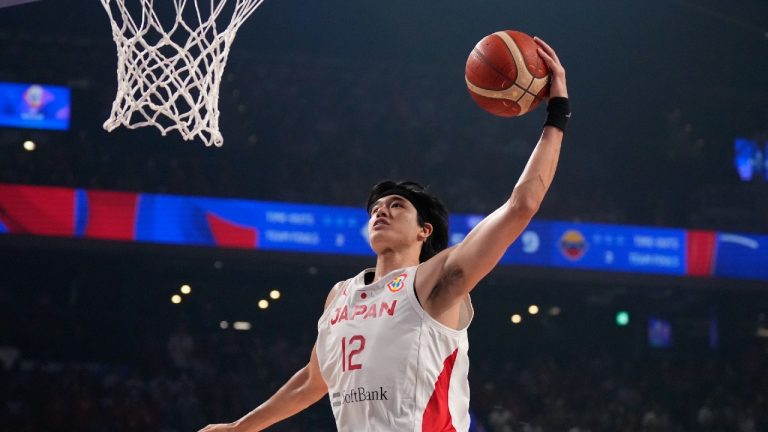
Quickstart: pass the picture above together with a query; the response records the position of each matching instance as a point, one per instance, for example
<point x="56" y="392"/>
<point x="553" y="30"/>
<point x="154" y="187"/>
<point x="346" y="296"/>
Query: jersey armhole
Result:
<point x="466" y="313"/>
<point x="330" y="299"/>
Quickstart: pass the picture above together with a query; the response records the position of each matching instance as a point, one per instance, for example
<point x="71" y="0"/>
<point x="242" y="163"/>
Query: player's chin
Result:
<point x="374" y="237"/>
<point x="379" y="239"/>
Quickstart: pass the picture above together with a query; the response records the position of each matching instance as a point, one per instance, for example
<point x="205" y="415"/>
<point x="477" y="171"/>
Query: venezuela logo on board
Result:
<point x="573" y="245"/>
<point x="397" y="283"/>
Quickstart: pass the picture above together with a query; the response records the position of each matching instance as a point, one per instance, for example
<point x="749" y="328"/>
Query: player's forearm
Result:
<point x="293" y="397"/>
<point x="539" y="172"/>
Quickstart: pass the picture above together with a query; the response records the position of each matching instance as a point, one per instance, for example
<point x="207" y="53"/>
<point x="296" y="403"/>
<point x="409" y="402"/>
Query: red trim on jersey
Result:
<point x="437" y="416"/>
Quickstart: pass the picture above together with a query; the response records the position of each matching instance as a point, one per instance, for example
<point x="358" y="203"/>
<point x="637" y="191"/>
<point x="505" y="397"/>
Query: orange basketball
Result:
<point x="505" y="75"/>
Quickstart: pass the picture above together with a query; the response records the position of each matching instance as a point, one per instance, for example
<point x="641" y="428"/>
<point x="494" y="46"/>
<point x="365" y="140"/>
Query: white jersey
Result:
<point x="388" y="365"/>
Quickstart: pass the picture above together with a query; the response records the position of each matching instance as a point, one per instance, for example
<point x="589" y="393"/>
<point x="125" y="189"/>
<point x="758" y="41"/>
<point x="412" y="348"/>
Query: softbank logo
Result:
<point x="360" y="394"/>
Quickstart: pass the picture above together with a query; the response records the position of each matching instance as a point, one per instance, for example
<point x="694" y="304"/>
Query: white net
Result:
<point x="168" y="76"/>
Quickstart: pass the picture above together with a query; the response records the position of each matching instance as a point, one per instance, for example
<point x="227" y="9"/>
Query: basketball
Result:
<point x="505" y="75"/>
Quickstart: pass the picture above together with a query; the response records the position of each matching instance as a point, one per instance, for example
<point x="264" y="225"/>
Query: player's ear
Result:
<point x="425" y="232"/>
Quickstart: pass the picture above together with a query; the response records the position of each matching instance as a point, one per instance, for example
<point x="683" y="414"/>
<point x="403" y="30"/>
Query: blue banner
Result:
<point x="248" y="224"/>
<point x="34" y="106"/>
<point x="619" y="248"/>
<point x="742" y="256"/>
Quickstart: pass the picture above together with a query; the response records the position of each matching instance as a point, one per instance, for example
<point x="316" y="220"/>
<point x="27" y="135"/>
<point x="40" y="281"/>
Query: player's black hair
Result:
<point x="429" y="208"/>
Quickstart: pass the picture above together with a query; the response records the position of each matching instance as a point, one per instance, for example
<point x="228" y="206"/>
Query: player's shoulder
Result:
<point x="336" y="289"/>
<point x="332" y="294"/>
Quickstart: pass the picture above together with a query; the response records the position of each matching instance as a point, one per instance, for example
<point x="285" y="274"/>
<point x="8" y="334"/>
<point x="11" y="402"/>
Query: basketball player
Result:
<point x="391" y="350"/>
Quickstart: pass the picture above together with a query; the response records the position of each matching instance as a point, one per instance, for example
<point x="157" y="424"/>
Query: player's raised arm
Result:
<point x="455" y="272"/>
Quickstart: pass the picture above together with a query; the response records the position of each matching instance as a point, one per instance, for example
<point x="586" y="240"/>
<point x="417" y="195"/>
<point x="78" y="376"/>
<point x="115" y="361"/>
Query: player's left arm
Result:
<point x="456" y="271"/>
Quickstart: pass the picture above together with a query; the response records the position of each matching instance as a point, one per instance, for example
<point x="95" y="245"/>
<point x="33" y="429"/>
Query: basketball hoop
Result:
<point x="168" y="76"/>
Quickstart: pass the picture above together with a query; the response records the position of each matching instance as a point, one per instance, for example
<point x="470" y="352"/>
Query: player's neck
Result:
<point x="391" y="260"/>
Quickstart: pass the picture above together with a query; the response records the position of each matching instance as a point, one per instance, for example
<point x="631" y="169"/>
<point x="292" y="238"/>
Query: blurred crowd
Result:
<point x="601" y="391"/>
<point x="185" y="374"/>
<point x="303" y="128"/>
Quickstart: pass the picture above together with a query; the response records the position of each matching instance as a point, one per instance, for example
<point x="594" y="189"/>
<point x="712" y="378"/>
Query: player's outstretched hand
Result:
<point x="557" y="86"/>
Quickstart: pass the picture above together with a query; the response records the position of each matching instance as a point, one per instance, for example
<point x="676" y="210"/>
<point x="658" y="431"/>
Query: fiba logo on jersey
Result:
<point x="573" y="245"/>
<point x="397" y="283"/>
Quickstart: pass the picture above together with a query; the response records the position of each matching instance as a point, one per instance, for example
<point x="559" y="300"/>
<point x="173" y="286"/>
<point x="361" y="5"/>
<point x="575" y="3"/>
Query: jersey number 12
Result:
<point x="346" y="361"/>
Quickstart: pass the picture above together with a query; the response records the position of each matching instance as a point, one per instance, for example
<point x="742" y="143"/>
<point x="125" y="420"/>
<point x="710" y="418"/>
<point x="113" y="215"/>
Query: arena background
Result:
<point x="321" y="100"/>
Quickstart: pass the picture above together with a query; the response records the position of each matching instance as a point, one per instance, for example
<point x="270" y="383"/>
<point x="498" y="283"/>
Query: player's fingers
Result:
<point x="547" y="58"/>
<point x="554" y="66"/>
<point x="545" y="46"/>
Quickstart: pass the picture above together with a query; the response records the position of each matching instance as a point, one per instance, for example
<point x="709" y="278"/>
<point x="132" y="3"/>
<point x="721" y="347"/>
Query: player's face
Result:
<point x="393" y="224"/>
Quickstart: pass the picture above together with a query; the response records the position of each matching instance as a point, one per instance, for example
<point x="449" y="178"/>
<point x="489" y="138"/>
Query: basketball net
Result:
<point x="169" y="76"/>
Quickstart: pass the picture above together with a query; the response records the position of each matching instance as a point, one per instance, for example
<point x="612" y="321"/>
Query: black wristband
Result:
<point x="558" y="112"/>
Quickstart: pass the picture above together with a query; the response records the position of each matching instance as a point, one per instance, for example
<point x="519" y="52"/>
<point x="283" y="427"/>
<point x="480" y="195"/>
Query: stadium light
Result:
<point x="516" y="319"/>
<point x="622" y="318"/>
<point x="274" y="294"/>
<point x="263" y="304"/>
<point x="533" y="309"/>
<point x="29" y="145"/>
<point x="176" y="299"/>
<point x="186" y="289"/>
<point x="242" y="325"/>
